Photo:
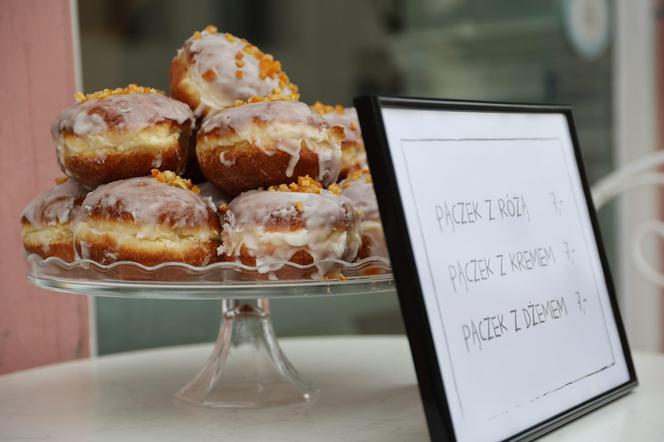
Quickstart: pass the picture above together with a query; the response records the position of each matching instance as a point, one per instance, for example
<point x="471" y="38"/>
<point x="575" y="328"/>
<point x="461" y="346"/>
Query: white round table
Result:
<point x="368" y="393"/>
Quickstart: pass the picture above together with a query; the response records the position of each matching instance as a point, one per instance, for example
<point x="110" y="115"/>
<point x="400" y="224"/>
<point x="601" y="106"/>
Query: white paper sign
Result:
<point x="508" y="264"/>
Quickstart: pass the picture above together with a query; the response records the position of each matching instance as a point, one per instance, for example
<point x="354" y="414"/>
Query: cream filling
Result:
<point x="271" y="249"/>
<point x="371" y="227"/>
<point x="141" y="237"/>
<point x="43" y="238"/>
<point x="99" y="146"/>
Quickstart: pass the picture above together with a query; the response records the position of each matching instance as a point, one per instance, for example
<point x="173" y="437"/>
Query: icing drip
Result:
<point x="251" y="218"/>
<point x="224" y="161"/>
<point x="216" y="54"/>
<point x="57" y="205"/>
<point x="149" y="202"/>
<point x="286" y="126"/>
<point x="294" y="159"/>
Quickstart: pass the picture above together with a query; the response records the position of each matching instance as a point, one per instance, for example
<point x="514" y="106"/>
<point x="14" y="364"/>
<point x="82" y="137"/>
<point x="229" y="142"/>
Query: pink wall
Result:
<point x="36" y="82"/>
<point x="659" y="78"/>
<point x="659" y="66"/>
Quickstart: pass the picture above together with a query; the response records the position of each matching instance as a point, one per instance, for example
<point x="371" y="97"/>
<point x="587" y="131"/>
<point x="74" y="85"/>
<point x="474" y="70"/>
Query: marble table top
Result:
<point x="368" y="393"/>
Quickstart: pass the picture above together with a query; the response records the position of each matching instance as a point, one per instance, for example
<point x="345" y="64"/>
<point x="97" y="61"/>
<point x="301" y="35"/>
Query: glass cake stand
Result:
<point x="247" y="368"/>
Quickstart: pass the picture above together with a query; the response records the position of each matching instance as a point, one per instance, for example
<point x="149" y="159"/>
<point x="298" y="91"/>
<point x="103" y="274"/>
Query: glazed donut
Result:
<point x="266" y="143"/>
<point x="123" y="133"/>
<point x="358" y="188"/>
<point x="353" y="155"/>
<point x="301" y="223"/>
<point x="47" y="221"/>
<point x="149" y="220"/>
<point x="213" y="70"/>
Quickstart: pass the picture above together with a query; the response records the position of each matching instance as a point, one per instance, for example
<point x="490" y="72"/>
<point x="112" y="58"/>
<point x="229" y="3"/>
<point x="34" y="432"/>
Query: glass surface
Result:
<point x="247" y="368"/>
<point x="216" y="281"/>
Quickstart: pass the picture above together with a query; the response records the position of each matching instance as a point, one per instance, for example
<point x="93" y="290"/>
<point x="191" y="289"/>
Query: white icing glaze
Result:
<point x="214" y="52"/>
<point x="361" y="193"/>
<point x="128" y="112"/>
<point x="353" y="155"/>
<point x="150" y="203"/>
<point x="286" y="126"/>
<point x="348" y="119"/>
<point x="250" y="215"/>
<point x="56" y="205"/>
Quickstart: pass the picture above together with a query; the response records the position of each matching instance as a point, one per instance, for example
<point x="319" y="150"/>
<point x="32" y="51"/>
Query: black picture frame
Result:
<point x="408" y="285"/>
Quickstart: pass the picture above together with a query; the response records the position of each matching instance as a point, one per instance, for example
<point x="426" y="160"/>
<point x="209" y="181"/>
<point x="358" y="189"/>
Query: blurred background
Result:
<point x="600" y="56"/>
<point x="515" y="50"/>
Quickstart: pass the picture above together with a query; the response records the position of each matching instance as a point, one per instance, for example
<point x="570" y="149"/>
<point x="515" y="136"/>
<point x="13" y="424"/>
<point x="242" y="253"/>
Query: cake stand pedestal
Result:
<point x="247" y="368"/>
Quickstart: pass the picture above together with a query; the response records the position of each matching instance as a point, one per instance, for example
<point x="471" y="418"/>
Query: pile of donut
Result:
<point x="231" y="167"/>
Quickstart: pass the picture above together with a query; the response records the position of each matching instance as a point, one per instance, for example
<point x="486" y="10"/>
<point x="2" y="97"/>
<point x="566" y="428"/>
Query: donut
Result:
<point x="266" y="143"/>
<point x="358" y="187"/>
<point x="122" y="133"/>
<point x="213" y="70"/>
<point x="353" y="155"/>
<point x="47" y="220"/>
<point x="148" y="220"/>
<point x="300" y="222"/>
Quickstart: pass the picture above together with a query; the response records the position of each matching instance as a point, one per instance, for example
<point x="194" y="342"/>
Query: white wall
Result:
<point x="635" y="132"/>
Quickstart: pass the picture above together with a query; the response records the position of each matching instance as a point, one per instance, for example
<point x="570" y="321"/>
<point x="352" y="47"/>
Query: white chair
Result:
<point x="640" y="173"/>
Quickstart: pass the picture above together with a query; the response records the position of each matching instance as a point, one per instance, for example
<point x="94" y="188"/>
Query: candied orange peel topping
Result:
<point x="268" y="67"/>
<point x="356" y="175"/>
<point x="323" y="109"/>
<point x="334" y="276"/>
<point x="209" y="75"/>
<point x="305" y="184"/>
<point x="172" y="179"/>
<point x="131" y="89"/>
<point x="335" y="189"/>
<point x="266" y="98"/>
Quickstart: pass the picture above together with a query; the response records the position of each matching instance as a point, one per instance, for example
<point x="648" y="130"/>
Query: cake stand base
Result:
<point x="247" y="368"/>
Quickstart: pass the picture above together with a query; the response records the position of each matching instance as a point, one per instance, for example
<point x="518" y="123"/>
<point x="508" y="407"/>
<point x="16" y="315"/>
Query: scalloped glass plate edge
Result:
<point x="215" y="281"/>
